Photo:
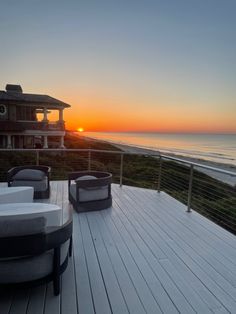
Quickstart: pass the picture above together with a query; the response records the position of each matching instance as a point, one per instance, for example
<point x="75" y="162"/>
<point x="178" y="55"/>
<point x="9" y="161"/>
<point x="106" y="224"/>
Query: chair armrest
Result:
<point x="37" y="243"/>
<point x="74" y="175"/>
<point x="14" y="246"/>
<point x="93" y="183"/>
<point x="58" y="235"/>
<point x="14" y="170"/>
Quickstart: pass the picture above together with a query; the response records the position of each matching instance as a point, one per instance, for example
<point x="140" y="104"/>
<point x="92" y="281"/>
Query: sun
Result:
<point x="80" y="130"/>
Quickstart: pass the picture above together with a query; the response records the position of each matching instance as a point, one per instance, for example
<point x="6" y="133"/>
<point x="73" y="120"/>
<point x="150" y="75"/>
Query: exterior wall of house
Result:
<point x="19" y="125"/>
<point x="19" y="128"/>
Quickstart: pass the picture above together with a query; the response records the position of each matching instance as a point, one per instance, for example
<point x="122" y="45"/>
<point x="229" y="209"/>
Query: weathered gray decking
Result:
<point x="143" y="255"/>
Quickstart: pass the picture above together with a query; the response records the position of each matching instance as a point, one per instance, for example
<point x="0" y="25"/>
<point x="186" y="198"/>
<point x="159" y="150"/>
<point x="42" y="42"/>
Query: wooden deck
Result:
<point x="143" y="255"/>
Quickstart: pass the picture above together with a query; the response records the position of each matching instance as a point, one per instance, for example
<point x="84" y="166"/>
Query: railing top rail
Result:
<point x="62" y="150"/>
<point x="231" y="173"/>
<point x="120" y="152"/>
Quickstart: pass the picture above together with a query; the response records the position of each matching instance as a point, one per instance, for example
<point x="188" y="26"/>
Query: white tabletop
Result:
<point x="13" y="189"/>
<point x="19" y="194"/>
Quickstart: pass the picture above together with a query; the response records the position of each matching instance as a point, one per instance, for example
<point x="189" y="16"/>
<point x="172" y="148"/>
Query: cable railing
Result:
<point x="190" y="183"/>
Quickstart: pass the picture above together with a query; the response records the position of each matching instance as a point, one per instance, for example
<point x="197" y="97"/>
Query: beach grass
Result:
<point x="211" y="197"/>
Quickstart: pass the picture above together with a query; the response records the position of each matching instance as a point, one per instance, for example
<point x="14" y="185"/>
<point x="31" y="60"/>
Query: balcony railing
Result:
<point x="191" y="183"/>
<point x="31" y="125"/>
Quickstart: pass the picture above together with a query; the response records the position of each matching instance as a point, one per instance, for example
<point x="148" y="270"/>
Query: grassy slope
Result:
<point x="210" y="197"/>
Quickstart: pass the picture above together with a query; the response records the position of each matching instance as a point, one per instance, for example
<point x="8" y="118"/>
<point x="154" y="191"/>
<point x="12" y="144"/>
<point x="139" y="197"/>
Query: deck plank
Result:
<point x="197" y="269"/>
<point x="145" y="294"/>
<point x="101" y="303"/>
<point x="218" y="268"/>
<point x="37" y="300"/>
<point x="20" y="301"/>
<point x="143" y="255"/>
<point x="52" y="302"/>
<point x="130" y="294"/>
<point x="6" y="298"/>
<point x="180" y="293"/>
<point x="114" y="293"/>
<point x="84" y="293"/>
<point x="68" y="290"/>
<point x="154" y="237"/>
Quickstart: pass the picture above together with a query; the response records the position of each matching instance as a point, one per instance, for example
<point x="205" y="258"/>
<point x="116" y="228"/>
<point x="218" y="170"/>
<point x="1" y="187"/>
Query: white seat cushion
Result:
<point x="37" y="185"/>
<point x="88" y="177"/>
<point x="90" y="194"/>
<point x="52" y="213"/>
<point x="29" y="175"/>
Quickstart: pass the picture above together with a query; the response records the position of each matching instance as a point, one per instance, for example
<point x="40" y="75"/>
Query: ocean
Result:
<point x="220" y="148"/>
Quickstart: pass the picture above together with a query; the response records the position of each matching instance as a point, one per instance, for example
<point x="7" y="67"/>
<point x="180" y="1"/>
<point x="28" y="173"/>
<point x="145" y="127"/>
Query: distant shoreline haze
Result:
<point x="220" y="148"/>
<point x="156" y="132"/>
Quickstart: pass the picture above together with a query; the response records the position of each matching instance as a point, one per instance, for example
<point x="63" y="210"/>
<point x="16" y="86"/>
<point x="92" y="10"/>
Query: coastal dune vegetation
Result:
<point x="210" y="197"/>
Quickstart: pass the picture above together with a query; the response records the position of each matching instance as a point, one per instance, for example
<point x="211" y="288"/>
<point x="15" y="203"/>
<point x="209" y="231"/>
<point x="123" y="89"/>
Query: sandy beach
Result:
<point x="227" y="178"/>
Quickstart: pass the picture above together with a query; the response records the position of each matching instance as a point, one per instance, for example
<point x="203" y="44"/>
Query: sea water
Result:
<point x="220" y="148"/>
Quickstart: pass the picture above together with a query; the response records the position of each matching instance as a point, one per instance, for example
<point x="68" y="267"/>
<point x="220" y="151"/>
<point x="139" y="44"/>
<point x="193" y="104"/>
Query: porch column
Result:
<point x="45" y="111"/>
<point x="4" y="139"/>
<point x="45" y="142"/>
<point x="61" y="115"/>
<point x="9" y="144"/>
<point x="62" y="142"/>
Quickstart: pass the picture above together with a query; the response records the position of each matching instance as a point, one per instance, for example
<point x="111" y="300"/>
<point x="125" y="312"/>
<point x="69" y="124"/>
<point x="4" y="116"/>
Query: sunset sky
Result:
<point x="126" y="65"/>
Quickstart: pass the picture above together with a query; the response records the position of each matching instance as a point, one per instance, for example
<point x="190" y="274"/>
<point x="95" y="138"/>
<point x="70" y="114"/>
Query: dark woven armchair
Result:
<point x="36" y="176"/>
<point x="90" y="191"/>
<point x="32" y="254"/>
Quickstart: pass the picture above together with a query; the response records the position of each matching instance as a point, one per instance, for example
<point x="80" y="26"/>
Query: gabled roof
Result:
<point x="16" y="95"/>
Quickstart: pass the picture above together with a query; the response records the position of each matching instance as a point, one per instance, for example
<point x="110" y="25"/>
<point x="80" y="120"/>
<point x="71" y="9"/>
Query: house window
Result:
<point x="3" y="110"/>
<point x="25" y="113"/>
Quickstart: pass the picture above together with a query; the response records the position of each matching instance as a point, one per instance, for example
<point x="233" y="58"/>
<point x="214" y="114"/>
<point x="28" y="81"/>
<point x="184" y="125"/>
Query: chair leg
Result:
<point x="56" y="271"/>
<point x="70" y="246"/>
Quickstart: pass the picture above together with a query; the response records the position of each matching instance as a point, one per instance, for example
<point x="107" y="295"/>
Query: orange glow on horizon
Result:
<point x="139" y="122"/>
<point x="98" y="113"/>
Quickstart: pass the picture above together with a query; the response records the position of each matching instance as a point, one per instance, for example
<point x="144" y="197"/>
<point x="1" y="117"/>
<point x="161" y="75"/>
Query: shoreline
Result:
<point x="226" y="178"/>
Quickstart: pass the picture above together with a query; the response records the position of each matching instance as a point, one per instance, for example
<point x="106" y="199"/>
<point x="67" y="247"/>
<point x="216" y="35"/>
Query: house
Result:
<point x="20" y="126"/>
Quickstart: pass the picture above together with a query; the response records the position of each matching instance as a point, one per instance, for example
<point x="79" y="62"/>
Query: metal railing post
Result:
<point x="121" y="169"/>
<point x="89" y="160"/>
<point x="37" y="157"/>
<point x="190" y="189"/>
<point x="159" y="177"/>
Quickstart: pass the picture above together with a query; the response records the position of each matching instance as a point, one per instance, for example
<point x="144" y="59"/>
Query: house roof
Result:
<point x="14" y="94"/>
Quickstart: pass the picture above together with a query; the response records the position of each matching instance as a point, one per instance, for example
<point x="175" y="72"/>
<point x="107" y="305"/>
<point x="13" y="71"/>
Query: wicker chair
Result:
<point x="36" y="176"/>
<point x="31" y="252"/>
<point x="90" y="191"/>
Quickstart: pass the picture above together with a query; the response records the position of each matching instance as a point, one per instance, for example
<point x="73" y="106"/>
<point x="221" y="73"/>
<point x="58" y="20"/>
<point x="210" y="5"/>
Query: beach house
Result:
<point x="24" y="120"/>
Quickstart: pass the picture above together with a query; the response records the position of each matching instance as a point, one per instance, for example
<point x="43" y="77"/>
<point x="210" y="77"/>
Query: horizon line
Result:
<point x="160" y="132"/>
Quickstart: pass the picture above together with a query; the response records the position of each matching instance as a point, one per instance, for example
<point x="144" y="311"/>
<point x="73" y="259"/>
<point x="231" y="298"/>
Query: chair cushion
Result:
<point x="90" y="194"/>
<point x="40" y="185"/>
<point x="18" y="211"/>
<point x="11" y="227"/>
<point x="29" y="175"/>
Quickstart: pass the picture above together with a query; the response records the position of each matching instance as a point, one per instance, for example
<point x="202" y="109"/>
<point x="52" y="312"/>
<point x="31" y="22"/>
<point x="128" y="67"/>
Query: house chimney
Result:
<point x="10" y="88"/>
